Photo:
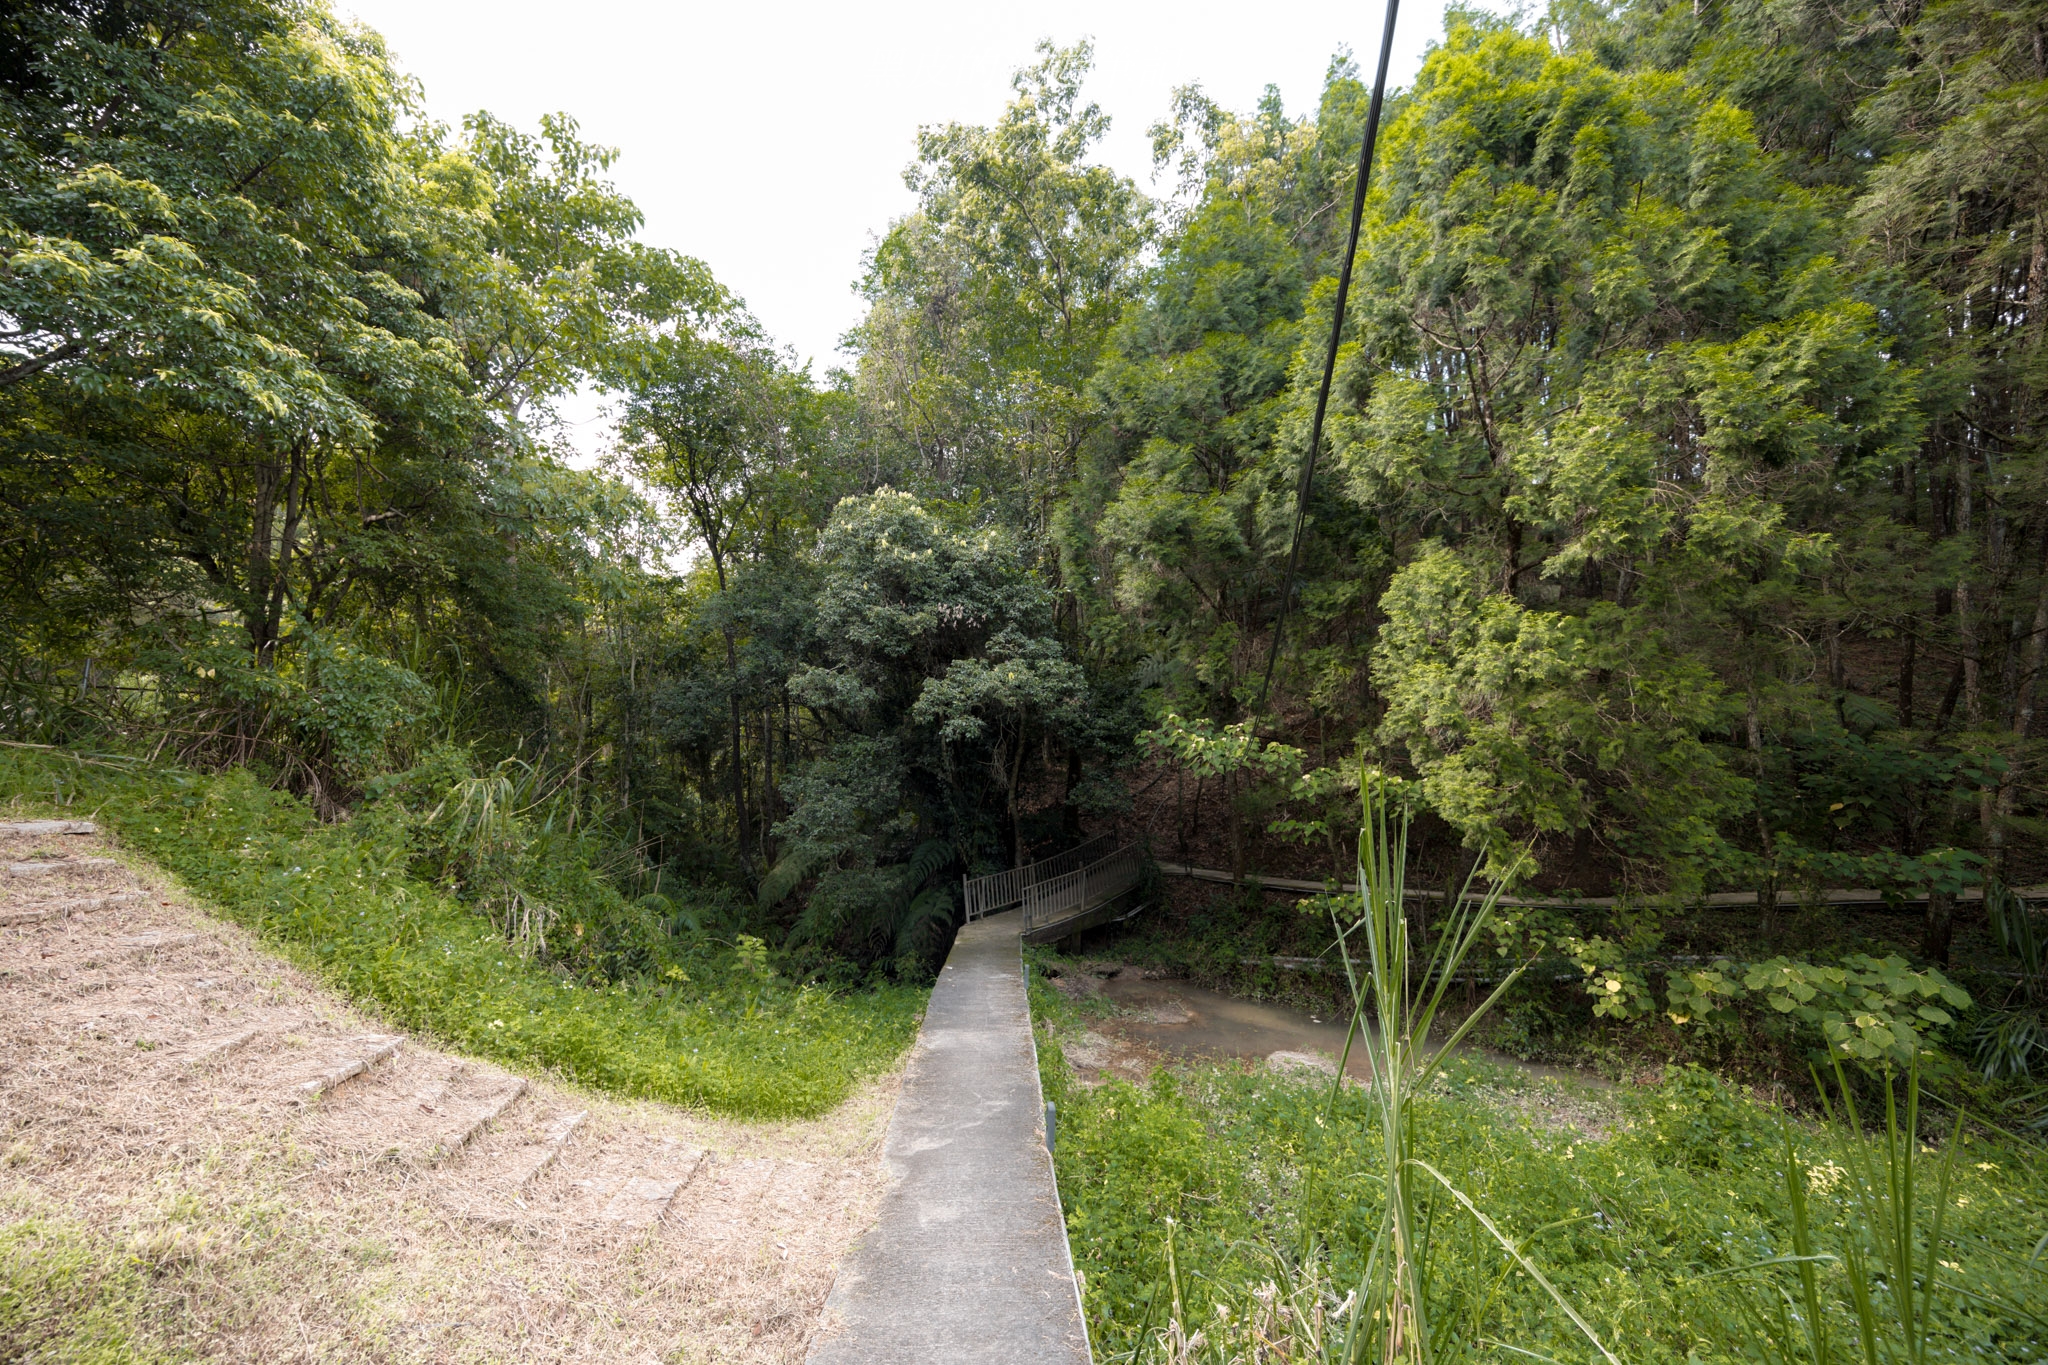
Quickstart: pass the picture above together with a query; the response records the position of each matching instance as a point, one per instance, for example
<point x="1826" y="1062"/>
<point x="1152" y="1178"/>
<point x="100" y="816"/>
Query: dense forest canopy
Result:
<point x="1682" y="518"/>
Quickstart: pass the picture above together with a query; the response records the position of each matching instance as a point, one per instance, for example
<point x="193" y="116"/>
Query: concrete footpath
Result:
<point x="968" y="1262"/>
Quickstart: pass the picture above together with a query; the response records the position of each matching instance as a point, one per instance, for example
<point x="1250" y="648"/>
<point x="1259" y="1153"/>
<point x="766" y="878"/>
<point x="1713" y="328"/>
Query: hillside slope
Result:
<point x="207" y="1155"/>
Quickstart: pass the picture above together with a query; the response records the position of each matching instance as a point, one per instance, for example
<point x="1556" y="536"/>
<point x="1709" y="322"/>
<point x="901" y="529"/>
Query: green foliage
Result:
<point x="65" y="1301"/>
<point x="1696" y="1122"/>
<point x="1396" y="996"/>
<point x="1867" y="1008"/>
<point x="2011" y="1040"/>
<point x="1207" y="751"/>
<point x="1675" y="268"/>
<point x="934" y="672"/>
<point x="1643" y="1232"/>
<point x="254" y="317"/>
<point x="1499" y="706"/>
<point x="1142" y="1155"/>
<point x="340" y="901"/>
<point x="989" y="304"/>
<point x="1680" y="527"/>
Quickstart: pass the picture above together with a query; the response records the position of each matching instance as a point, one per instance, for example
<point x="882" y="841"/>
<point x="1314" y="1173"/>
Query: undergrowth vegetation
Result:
<point x="1239" y="1206"/>
<point x="689" y="1016"/>
<point x="1712" y="993"/>
<point x="1227" y="1216"/>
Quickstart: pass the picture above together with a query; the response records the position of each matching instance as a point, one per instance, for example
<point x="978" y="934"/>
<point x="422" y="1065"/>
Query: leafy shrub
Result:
<point x="1866" y="1008"/>
<point x="1147" y="1159"/>
<point x="548" y="882"/>
<point x="353" y="705"/>
<point x="1695" y="1121"/>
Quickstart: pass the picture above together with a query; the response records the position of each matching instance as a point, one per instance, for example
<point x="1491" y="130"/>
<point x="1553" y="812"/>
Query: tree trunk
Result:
<point x="770" y="806"/>
<point x="2024" y="693"/>
<point x="1767" y="889"/>
<point x="1941" y="926"/>
<point x="1966" y="620"/>
<point x="1070" y="815"/>
<point x="280" y="491"/>
<point x="739" y="772"/>
<point x="1238" y="829"/>
<point x="1016" y="776"/>
<point x="1907" y="663"/>
<point x="1947" y="710"/>
<point x="2026" y="685"/>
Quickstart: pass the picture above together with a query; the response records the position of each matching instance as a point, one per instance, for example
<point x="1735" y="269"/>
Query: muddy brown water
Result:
<point x="1184" y="1020"/>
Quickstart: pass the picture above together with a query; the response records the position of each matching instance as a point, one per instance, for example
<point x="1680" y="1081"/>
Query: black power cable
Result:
<point x="1315" y="439"/>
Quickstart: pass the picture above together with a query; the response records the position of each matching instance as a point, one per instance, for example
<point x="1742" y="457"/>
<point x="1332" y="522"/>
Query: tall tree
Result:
<point x="989" y="305"/>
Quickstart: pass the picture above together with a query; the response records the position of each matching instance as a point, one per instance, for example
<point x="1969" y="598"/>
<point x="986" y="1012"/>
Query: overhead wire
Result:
<point x="1315" y="440"/>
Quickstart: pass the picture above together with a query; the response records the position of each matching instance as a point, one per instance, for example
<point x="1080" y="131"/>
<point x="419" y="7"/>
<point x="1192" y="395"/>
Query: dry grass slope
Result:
<point x="207" y="1156"/>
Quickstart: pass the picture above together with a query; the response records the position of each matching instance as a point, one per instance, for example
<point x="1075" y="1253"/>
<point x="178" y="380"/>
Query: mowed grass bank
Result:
<point x="1643" y="1206"/>
<point x="711" y="1030"/>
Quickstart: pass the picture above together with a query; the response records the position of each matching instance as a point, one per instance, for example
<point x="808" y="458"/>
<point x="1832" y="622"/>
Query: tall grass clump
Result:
<point x="706" y="1022"/>
<point x="1399" y="999"/>
<point x="1387" y="1312"/>
<point x="1868" y="1289"/>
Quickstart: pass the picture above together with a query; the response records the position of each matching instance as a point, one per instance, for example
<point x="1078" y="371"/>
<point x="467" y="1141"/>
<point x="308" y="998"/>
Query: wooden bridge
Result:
<point x="1062" y="894"/>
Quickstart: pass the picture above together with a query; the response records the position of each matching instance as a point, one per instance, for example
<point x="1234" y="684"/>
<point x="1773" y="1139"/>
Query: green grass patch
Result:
<point x="1264" y="1181"/>
<point x="66" y="1300"/>
<point x="711" y="1029"/>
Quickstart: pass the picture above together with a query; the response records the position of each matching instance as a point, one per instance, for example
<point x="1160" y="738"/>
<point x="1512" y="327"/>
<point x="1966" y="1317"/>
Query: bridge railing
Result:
<point x="1001" y="890"/>
<point x="1063" y="897"/>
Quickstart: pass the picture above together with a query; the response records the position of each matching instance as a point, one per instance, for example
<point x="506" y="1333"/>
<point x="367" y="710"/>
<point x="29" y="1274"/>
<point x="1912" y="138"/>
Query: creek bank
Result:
<point x="1138" y="1019"/>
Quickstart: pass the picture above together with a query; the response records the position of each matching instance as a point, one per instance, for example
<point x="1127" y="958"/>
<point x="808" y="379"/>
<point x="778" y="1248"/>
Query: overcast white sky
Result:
<point x="770" y="140"/>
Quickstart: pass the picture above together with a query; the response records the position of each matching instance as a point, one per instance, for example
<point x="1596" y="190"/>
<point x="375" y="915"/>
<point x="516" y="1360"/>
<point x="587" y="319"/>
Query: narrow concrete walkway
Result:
<point x="968" y="1262"/>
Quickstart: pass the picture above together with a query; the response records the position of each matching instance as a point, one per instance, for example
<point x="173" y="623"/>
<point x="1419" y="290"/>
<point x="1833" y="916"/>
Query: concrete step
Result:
<point x="35" y="829"/>
<point x="143" y="945"/>
<point x="364" y="1053"/>
<point x="641" y="1201"/>
<point x="63" y="910"/>
<point x="421" y="1108"/>
<point x="58" y="866"/>
<point x="500" y="1182"/>
<point x="518" y="1168"/>
<point x="630" y="1185"/>
<point x="467" y="1119"/>
<point x="95" y="965"/>
<point x="202" y="1052"/>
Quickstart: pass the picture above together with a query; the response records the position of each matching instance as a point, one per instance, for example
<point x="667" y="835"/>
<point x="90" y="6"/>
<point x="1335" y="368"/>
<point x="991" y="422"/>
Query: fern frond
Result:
<point x="925" y="920"/>
<point x="784" y="876"/>
<point x="931" y="857"/>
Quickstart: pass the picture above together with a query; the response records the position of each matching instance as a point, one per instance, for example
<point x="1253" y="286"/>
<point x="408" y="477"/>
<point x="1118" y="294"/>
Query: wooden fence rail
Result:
<point x="1788" y="899"/>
